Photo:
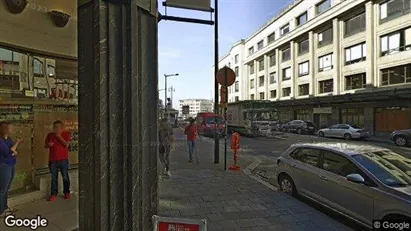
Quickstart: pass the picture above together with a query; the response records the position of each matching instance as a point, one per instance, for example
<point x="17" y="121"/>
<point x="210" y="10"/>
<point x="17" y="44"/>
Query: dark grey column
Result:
<point x="117" y="45"/>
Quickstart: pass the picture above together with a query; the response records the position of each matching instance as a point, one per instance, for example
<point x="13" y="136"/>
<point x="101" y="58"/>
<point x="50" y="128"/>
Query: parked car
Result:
<point x="345" y="131"/>
<point x="361" y="182"/>
<point x="299" y="126"/>
<point x="401" y="137"/>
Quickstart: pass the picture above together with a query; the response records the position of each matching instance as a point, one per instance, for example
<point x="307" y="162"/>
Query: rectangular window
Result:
<point x="326" y="86"/>
<point x="355" y="54"/>
<point x="6" y="55"/>
<point x="272" y="60"/>
<point x="302" y="19"/>
<point x="273" y="77"/>
<point x="285" y="29"/>
<point x="325" y="62"/>
<point x="323" y="6"/>
<point x="260" y="45"/>
<point x="271" y="38"/>
<point x="251" y="83"/>
<point x="396" y="42"/>
<point x="396" y="75"/>
<point x="236" y="71"/>
<point x="250" y="50"/>
<point x="354" y="25"/>
<point x="357" y="81"/>
<point x="303" y="68"/>
<point x="37" y="68"/>
<point x="286" y="91"/>
<point x="237" y="86"/>
<point x="236" y="59"/>
<point x="237" y="99"/>
<point x="325" y="37"/>
<point x="303" y="89"/>
<point x="261" y="64"/>
<point x="286" y="54"/>
<point x="261" y="95"/>
<point x="393" y="9"/>
<point x="286" y="73"/>
<point x="252" y="96"/>
<point x="352" y="116"/>
<point x="303" y="47"/>
<point x="251" y="66"/>
<point x="261" y="81"/>
<point x="273" y="94"/>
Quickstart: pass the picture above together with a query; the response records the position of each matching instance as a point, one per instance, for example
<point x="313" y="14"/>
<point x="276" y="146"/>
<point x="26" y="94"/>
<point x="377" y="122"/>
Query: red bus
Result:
<point x="207" y="126"/>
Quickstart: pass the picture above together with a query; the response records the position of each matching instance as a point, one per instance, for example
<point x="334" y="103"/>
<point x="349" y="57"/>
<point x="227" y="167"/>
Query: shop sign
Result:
<point x="178" y="224"/>
<point x="322" y="110"/>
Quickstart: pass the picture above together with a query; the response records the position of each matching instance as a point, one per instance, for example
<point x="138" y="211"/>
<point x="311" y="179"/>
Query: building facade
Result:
<point x="317" y="50"/>
<point x="195" y="106"/>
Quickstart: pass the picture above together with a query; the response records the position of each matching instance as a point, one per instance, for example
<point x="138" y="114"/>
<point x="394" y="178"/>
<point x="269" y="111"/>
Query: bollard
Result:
<point x="235" y="146"/>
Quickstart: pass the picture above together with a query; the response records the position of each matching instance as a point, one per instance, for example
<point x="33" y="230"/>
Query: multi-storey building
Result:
<point x="195" y="106"/>
<point x="331" y="61"/>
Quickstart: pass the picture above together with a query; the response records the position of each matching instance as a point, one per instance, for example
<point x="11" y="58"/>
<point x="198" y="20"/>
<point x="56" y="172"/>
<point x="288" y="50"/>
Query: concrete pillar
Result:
<point x="313" y="62"/>
<point x="336" y="56"/>
<point x="278" y="71"/>
<point x="118" y="80"/>
<point x="370" y="25"/>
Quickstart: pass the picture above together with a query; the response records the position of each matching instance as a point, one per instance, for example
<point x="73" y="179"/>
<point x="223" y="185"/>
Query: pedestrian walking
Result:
<point x="58" y="142"/>
<point x="192" y="134"/>
<point x="8" y="161"/>
<point x="166" y="141"/>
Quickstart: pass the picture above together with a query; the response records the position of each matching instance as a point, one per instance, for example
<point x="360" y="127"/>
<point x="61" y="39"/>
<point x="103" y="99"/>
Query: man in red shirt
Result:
<point x="58" y="142"/>
<point x="192" y="134"/>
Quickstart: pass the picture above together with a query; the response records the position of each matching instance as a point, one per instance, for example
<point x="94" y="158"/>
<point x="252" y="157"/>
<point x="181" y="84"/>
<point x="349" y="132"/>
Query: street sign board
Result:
<point x="178" y="224"/>
<point x="186" y="109"/>
<point x="201" y="5"/>
<point x="226" y="76"/>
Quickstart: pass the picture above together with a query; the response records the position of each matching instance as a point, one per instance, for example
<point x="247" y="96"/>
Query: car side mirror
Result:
<point x="356" y="178"/>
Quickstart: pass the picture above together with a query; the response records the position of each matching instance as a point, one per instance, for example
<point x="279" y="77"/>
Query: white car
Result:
<point x="345" y="131"/>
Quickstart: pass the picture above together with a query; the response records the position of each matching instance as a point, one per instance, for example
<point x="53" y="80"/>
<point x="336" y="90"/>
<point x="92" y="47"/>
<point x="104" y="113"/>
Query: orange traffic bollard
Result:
<point x="235" y="146"/>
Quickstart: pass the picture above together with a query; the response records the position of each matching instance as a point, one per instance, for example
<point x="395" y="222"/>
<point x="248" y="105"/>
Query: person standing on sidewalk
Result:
<point x="7" y="165"/>
<point x="192" y="134"/>
<point x="166" y="140"/>
<point x="58" y="142"/>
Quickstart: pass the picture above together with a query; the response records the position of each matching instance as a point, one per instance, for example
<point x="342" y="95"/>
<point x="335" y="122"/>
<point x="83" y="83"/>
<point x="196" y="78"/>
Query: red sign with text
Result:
<point x="167" y="226"/>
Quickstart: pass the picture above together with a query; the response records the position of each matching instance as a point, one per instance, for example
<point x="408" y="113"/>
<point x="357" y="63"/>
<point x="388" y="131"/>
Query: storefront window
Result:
<point x="37" y="68"/>
<point x="353" y="116"/>
<point x="13" y="70"/>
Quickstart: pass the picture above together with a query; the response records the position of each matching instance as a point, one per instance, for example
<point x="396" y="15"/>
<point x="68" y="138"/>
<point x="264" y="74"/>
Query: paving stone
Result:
<point x="228" y="225"/>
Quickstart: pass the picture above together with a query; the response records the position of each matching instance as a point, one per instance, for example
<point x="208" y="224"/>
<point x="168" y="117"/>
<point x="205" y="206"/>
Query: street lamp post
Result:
<point x="165" y="92"/>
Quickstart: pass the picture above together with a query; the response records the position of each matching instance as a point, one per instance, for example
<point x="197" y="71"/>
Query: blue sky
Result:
<point x="188" y="49"/>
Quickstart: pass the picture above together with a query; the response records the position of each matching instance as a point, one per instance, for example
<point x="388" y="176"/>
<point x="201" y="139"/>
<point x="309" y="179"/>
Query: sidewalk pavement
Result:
<point x="231" y="200"/>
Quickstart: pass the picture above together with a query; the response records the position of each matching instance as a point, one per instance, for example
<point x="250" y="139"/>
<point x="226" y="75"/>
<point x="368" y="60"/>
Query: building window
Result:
<point x="286" y="91"/>
<point x="354" y="25"/>
<point x="237" y="99"/>
<point x="261" y="64"/>
<point x="325" y="37"/>
<point x="396" y="42"/>
<point x="260" y="45"/>
<point x="325" y="62"/>
<point x="236" y="71"/>
<point x="37" y="68"/>
<point x="326" y="86"/>
<point x="303" y="47"/>
<point x="261" y="95"/>
<point x="303" y="69"/>
<point x="271" y="38"/>
<point x="323" y="6"/>
<point x="352" y="116"/>
<point x="251" y="50"/>
<point x="396" y="75"/>
<point x="357" y="81"/>
<point x="273" y="94"/>
<point x="285" y="29"/>
<point x="286" y="73"/>
<point x="273" y="78"/>
<point x="286" y="54"/>
<point x="236" y="59"/>
<point x="251" y="83"/>
<point x="303" y="89"/>
<point x="261" y="81"/>
<point x="251" y="66"/>
<point x="302" y="19"/>
<point x="355" y="54"/>
<point x="393" y="9"/>
<point x="252" y="96"/>
<point x="272" y="60"/>
<point x="237" y="86"/>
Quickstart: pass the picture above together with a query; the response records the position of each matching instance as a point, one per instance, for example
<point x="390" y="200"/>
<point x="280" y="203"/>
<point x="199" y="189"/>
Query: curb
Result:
<point x="251" y="168"/>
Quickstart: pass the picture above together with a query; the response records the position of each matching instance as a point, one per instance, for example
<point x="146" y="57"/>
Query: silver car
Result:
<point x="361" y="182"/>
<point x="345" y="131"/>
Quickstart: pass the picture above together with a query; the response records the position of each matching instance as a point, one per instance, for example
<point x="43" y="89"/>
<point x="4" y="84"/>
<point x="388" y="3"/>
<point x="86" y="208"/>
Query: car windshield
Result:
<point x="389" y="167"/>
<point x="355" y="126"/>
<point x="211" y="120"/>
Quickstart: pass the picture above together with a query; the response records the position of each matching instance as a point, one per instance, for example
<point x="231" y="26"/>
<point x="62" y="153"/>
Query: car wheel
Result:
<point x="299" y="131"/>
<point x="321" y="134"/>
<point x="400" y="141"/>
<point x="347" y="136"/>
<point x="287" y="185"/>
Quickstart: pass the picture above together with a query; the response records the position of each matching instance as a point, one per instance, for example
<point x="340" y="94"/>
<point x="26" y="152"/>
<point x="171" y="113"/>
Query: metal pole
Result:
<point x="216" y="106"/>
<point x="225" y="120"/>
<point x="165" y="93"/>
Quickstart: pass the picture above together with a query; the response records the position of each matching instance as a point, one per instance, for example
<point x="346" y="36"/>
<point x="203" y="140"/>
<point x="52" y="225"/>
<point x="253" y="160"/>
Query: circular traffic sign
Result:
<point x="226" y="76"/>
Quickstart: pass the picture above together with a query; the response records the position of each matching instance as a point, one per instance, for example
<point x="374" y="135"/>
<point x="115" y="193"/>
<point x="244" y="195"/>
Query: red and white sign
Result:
<point x="178" y="224"/>
<point x="165" y="226"/>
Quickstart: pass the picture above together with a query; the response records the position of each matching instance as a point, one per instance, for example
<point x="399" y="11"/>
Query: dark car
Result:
<point x="401" y="137"/>
<point x="300" y="127"/>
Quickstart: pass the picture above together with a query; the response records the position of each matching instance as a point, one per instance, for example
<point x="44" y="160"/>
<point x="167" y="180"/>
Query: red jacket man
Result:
<point x="192" y="134"/>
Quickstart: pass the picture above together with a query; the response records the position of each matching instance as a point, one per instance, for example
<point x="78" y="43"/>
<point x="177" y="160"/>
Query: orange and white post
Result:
<point x="235" y="146"/>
